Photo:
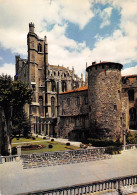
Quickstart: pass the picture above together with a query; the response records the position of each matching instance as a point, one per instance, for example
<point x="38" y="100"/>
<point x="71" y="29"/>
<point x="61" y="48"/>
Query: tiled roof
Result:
<point x="76" y="90"/>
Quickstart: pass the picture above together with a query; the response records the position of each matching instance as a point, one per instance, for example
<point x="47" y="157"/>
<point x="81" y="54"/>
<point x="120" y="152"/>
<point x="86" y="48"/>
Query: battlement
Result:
<point x="31" y="27"/>
<point x="104" y="65"/>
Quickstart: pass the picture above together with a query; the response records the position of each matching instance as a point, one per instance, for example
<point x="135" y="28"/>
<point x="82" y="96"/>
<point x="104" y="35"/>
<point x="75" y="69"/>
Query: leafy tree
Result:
<point x="13" y="95"/>
<point x="20" y="123"/>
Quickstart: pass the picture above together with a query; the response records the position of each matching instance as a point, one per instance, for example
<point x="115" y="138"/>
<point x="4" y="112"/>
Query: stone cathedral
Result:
<point x="65" y="106"/>
<point x="47" y="81"/>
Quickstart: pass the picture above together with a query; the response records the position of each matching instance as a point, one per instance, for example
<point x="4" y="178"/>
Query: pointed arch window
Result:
<point x="39" y="47"/>
<point x="41" y="109"/>
<point x="64" y="86"/>
<point x="53" y="86"/>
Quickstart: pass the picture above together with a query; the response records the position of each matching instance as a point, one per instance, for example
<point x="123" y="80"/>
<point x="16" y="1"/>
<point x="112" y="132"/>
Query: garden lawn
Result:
<point x="56" y="147"/>
<point x="17" y="140"/>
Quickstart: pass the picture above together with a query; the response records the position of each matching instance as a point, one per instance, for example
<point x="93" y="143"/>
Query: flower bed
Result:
<point x="32" y="147"/>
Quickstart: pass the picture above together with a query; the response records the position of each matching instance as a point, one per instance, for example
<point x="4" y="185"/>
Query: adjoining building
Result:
<point x="73" y="114"/>
<point x="104" y="108"/>
<point x="47" y="81"/>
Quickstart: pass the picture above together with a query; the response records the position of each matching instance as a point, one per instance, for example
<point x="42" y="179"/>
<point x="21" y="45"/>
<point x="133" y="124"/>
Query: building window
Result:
<point x="77" y="101"/>
<point x="76" y="122"/>
<point x="133" y="118"/>
<point x="120" y="121"/>
<point x="86" y="99"/>
<point x="39" y="47"/>
<point x="115" y="107"/>
<point x="131" y="95"/>
<point x="68" y="101"/>
<point x="64" y="86"/>
<point x="119" y="95"/>
<point x="53" y="86"/>
<point x="52" y="106"/>
<point x="67" y="122"/>
<point x="41" y="109"/>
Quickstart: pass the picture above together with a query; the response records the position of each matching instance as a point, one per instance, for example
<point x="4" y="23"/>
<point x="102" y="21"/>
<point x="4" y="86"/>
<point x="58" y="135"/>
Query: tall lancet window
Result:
<point x="39" y="47"/>
<point x="41" y="109"/>
<point x="52" y="106"/>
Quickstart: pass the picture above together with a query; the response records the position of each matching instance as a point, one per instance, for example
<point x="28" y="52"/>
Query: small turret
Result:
<point x="31" y="27"/>
<point x="17" y="58"/>
<point x="81" y="77"/>
<point x="72" y="72"/>
<point x="45" y="39"/>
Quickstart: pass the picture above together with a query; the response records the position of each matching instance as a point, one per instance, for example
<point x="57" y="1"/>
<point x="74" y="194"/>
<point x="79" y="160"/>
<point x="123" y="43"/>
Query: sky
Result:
<point x="78" y="32"/>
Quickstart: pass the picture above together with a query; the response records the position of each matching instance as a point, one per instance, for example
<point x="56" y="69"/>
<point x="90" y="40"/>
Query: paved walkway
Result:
<point x="14" y="179"/>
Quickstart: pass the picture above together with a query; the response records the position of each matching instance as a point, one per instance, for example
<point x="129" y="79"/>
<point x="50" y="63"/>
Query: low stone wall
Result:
<point x="116" y="184"/>
<point x="63" y="157"/>
<point x="129" y="147"/>
<point x="11" y="158"/>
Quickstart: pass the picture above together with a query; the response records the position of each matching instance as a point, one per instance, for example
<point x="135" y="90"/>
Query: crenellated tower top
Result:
<point x="31" y="27"/>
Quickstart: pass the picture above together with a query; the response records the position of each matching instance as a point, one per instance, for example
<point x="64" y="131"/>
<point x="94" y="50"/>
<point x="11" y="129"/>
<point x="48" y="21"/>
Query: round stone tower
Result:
<point x="104" y="96"/>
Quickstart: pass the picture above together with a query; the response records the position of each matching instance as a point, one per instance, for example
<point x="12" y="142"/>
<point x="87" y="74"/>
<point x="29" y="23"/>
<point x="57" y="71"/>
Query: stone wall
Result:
<point x="63" y="157"/>
<point x="105" y="105"/>
<point x="129" y="91"/>
<point x="73" y="113"/>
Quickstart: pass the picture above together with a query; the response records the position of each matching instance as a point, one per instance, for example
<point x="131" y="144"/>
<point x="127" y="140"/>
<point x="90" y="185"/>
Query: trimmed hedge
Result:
<point x="68" y="144"/>
<point x="50" y="146"/>
<point x="102" y="142"/>
<point x="113" y="150"/>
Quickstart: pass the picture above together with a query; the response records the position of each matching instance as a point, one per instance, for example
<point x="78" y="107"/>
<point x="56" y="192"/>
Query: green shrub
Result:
<point x="102" y="142"/>
<point x="50" y="146"/>
<point x="52" y="140"/>
<point x="14" y="151"/>
<point x="131" y="138"/>
<point x="44" y="137"/>
<point x="33" y="138"/>
<point x="113" y="150"/>
<point x="68" y="144"/>
<point x="81" y="145"/>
